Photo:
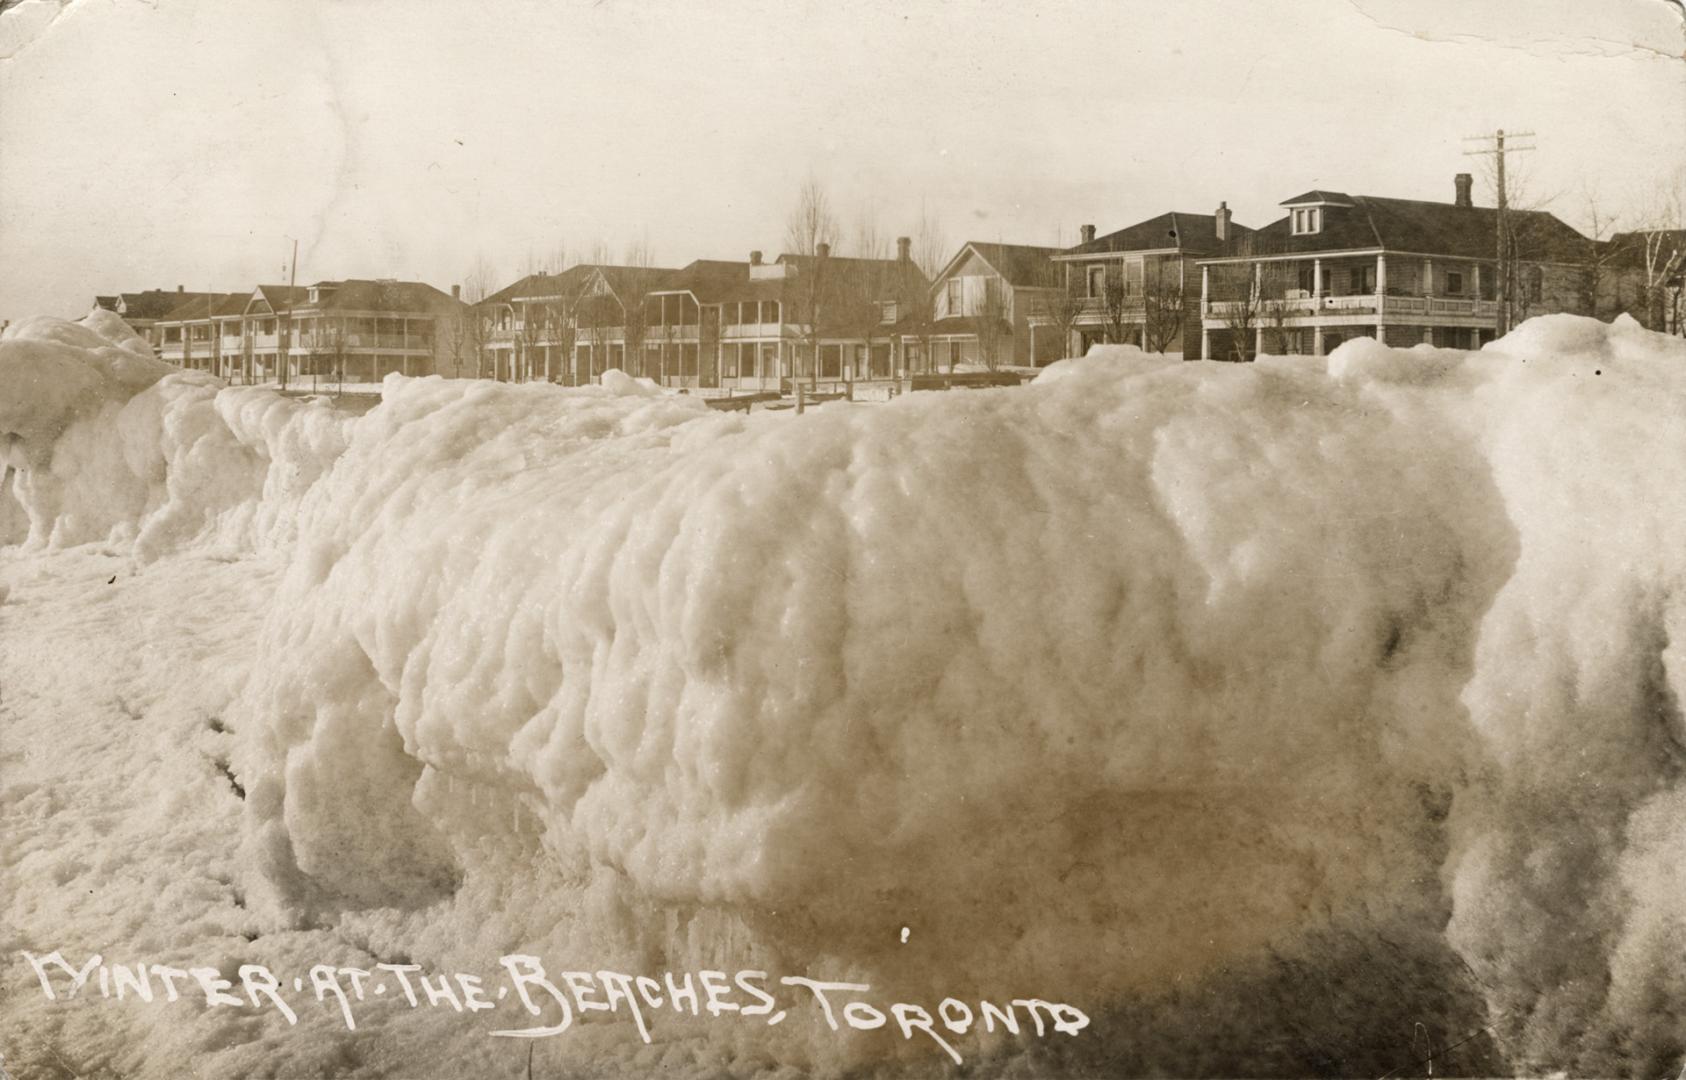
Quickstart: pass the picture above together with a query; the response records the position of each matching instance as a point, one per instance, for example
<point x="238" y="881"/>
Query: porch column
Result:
<point x="1205" y="294"/>
<point x="1317" y="341"/>
<point x="1428" y="277"/>
<point x="1381" y="334"/>
<point x="1258" y="342"/>
<point x="1316" y="284"/>
<point x="1205" y="344"/>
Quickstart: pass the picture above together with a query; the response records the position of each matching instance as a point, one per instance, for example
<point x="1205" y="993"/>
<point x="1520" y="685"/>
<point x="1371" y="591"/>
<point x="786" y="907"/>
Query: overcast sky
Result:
<point x="150" y="143"/>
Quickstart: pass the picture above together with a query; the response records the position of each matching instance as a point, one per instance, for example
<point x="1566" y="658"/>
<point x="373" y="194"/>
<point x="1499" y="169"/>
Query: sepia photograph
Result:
<point x="859" y="539"/>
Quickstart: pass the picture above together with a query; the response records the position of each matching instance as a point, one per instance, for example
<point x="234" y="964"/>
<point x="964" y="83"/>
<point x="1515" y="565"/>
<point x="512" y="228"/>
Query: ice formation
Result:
<point x="1183" y="692"/>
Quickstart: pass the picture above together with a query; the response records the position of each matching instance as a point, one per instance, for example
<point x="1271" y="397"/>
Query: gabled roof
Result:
<point x="362" y="294"/>
<point x="713" y="281"/>
<point x="632" y="282"/>
<point x="277" y="297"/>
<point x="1192" y="234"/>
<point x="204" y="305"/>
<point x="1631" y="248"/>
<point x="542" y="285"/>
<point x="156" y="304"/>
<point x="1415" y="226"/>
<point x="1019" y="265"/>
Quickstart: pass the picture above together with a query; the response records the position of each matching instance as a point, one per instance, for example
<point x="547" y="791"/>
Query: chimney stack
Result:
<point x="456" y="292"/>
<point x="1220" y="221"/>
<point x="822" y="249"/>
<point x="1087" y="232"/>
<point x="1463" y="182"/>
<point x="181" y="288"/>
<point x="904" y="248"/>
<point x="755" y="258"/>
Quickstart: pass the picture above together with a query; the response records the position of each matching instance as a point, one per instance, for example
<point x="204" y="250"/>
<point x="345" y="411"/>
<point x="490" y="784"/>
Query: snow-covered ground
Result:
<point x="1299" y="716"/>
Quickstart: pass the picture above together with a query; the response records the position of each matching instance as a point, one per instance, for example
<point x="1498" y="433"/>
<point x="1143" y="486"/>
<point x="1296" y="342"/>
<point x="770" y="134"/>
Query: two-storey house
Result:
<point x="1403" y="271"/>
<point x="1138" y="285"/>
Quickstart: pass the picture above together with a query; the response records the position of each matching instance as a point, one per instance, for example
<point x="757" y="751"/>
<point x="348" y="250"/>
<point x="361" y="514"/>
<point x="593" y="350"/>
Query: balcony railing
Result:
<point x="1357" y="304"/>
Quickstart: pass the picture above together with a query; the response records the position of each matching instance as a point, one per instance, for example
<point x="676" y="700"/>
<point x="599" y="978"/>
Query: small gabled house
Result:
<point x="983" y="306"/>
<point x="1138" y="285"/>
<point x="1403" y="271"/>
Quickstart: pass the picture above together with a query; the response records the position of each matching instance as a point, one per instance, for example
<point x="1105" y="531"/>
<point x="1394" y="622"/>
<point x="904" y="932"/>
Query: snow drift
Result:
<point x="1265" y="707"/>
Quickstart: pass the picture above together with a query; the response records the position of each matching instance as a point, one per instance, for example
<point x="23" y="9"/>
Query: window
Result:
<point x="1308" y="220"/>
<point x="769" y="311"/>
<point x="1454" y="283"/>
<point x="688" y="358"/>
<point x="1363" y="279"/>
<point x="956" y="294"/>
<point x="1097" y="281"/>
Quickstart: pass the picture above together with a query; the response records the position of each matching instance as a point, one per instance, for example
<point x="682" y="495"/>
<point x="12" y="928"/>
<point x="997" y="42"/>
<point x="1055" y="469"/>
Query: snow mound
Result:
<point x="1145" y="675"/>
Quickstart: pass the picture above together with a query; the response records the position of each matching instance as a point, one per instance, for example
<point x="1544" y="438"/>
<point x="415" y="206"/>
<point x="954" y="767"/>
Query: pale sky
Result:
<point x="151" y="143"/>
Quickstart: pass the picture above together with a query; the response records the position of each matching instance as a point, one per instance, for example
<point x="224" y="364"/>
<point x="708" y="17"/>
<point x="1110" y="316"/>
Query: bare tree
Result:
<point x="637" y="253"/>
<point x="635" y="328"/>
<point x="1164" y="303"/>
<point x="1118" y="307"/>
<point x="1600" y="283"/>
<point x="868" y="240"/>
<point x="1061" y="306"/>
<point x="811" y="222"/>
<point x="994" y="324"/>
<point x="1660" y="246"/>
<point x="478" y="284"/>
<point x="930" y="245"/>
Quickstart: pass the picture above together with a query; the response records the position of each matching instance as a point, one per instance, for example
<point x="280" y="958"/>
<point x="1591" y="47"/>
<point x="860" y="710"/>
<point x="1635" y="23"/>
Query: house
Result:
<point x="1647" y="277"/>
<point x="355" y="330"/>
<point x="1136" y="285"/>
<point x="982" y="306"/>
<point x="144" y="310"/>
<point x="567" y="327"/>
<point x="1403" y="271"/>
<point x="823" y="319"/>
<point x="203" y="333"/>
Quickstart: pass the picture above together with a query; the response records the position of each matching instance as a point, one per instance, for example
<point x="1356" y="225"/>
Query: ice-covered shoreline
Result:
<point x="1143" y="678"/>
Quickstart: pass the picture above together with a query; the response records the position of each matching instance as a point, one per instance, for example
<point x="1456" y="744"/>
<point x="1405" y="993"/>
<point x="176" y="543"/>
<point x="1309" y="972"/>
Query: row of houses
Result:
<point x="1203" y="286"/>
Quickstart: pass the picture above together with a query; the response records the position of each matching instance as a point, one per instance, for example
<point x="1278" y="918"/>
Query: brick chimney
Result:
<point x="1087" y="232"/>
<point x="456" y="292"/>
<point x="904" y="248"/>
<point x="823" y="250"/>
<point x="1220" y="221"/>
<point x="181" y="288"/>
<point x="1463" y="182"/>
<point x="755" y="258"/>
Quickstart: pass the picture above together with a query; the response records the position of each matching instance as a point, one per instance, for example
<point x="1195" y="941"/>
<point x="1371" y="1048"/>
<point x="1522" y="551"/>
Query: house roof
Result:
<point x="1337" y="198"/>
<point x="1195" y="234"/>
<point x="204" y="305"/>
<point x="154" y="304"/>
<point x="713" y="281"/>
<point x="1412" y="225"/>
<point x="1019" y="265"/>
<point x="362" y="294"/>
<point x="278" y="297"/>
<point x="1631" y="248"/>
<point x="542" y="285"/>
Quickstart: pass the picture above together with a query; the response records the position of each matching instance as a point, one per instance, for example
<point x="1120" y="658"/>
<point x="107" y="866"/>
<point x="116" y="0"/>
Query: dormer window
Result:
<point x="315" y="295"/>
<point x="1308" y="220"/>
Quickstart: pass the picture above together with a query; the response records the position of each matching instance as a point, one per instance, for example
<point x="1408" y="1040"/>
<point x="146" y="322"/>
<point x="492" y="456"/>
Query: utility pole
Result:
<point x="285" y="341"/>
<point x="1505" y="265"/>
